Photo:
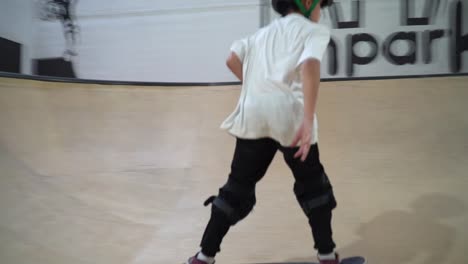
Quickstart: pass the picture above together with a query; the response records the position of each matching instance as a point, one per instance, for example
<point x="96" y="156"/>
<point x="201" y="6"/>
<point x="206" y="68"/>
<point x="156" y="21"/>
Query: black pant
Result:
<point x="250" y="163"/>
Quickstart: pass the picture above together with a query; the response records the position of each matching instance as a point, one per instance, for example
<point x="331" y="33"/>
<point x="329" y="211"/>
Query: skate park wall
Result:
<point x="152" y="41"/>
<point x="186" y="42"/>
<point x="17" y="32"/>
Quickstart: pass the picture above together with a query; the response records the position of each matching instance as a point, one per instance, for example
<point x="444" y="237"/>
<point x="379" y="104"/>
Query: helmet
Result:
<point x="283" y="6"/>
<point x="326" y="3"/>
<point x="305" y="12"/>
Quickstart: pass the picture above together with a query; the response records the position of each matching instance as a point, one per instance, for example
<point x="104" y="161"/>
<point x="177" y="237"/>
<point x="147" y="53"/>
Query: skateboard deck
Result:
<point x="351" y="260"/>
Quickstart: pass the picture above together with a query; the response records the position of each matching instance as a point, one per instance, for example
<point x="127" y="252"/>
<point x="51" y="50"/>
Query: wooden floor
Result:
<point x="113" y="174"/>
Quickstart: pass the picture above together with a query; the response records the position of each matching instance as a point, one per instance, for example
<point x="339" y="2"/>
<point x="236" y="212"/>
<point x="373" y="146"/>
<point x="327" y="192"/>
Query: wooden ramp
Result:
<point x="114" y="174"/>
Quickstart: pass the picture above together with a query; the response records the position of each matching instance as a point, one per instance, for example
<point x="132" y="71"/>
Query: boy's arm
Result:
<point x="311" y="82"/>
<point x="235" y="65"/>
<point x="314" y="48"/>
<point x="310" y="72"/>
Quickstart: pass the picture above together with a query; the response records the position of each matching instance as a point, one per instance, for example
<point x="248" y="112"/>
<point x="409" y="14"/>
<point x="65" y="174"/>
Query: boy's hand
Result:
<point x="304" y="136"/>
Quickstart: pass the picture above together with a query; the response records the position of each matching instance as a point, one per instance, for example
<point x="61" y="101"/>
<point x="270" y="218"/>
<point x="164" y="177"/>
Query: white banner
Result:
<point x="381" y="38"/>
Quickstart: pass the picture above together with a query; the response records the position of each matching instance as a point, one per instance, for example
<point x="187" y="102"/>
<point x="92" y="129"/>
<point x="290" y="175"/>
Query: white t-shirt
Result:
<point x="271" y="102"/>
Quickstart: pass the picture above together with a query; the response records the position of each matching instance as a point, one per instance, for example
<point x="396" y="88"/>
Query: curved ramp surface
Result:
<point x="115" y="174"/>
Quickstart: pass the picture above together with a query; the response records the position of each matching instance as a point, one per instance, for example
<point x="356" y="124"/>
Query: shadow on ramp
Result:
<point x="416" y="235"/>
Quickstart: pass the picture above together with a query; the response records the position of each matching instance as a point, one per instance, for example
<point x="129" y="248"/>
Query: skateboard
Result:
<point x="351" y="260"/>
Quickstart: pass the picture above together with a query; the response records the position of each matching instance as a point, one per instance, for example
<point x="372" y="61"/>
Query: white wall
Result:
<point x="16" y="24"/>
<point x="188" y="40"/>
<point x="165" y="41"/>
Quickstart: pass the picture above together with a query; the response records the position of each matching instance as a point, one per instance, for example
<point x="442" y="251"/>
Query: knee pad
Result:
<point x="315" y="195"/>
<point x="234" y="201"/>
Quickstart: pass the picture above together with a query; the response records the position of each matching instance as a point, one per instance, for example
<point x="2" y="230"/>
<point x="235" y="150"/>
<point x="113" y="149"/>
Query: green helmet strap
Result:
<point x="304" y="11"/>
